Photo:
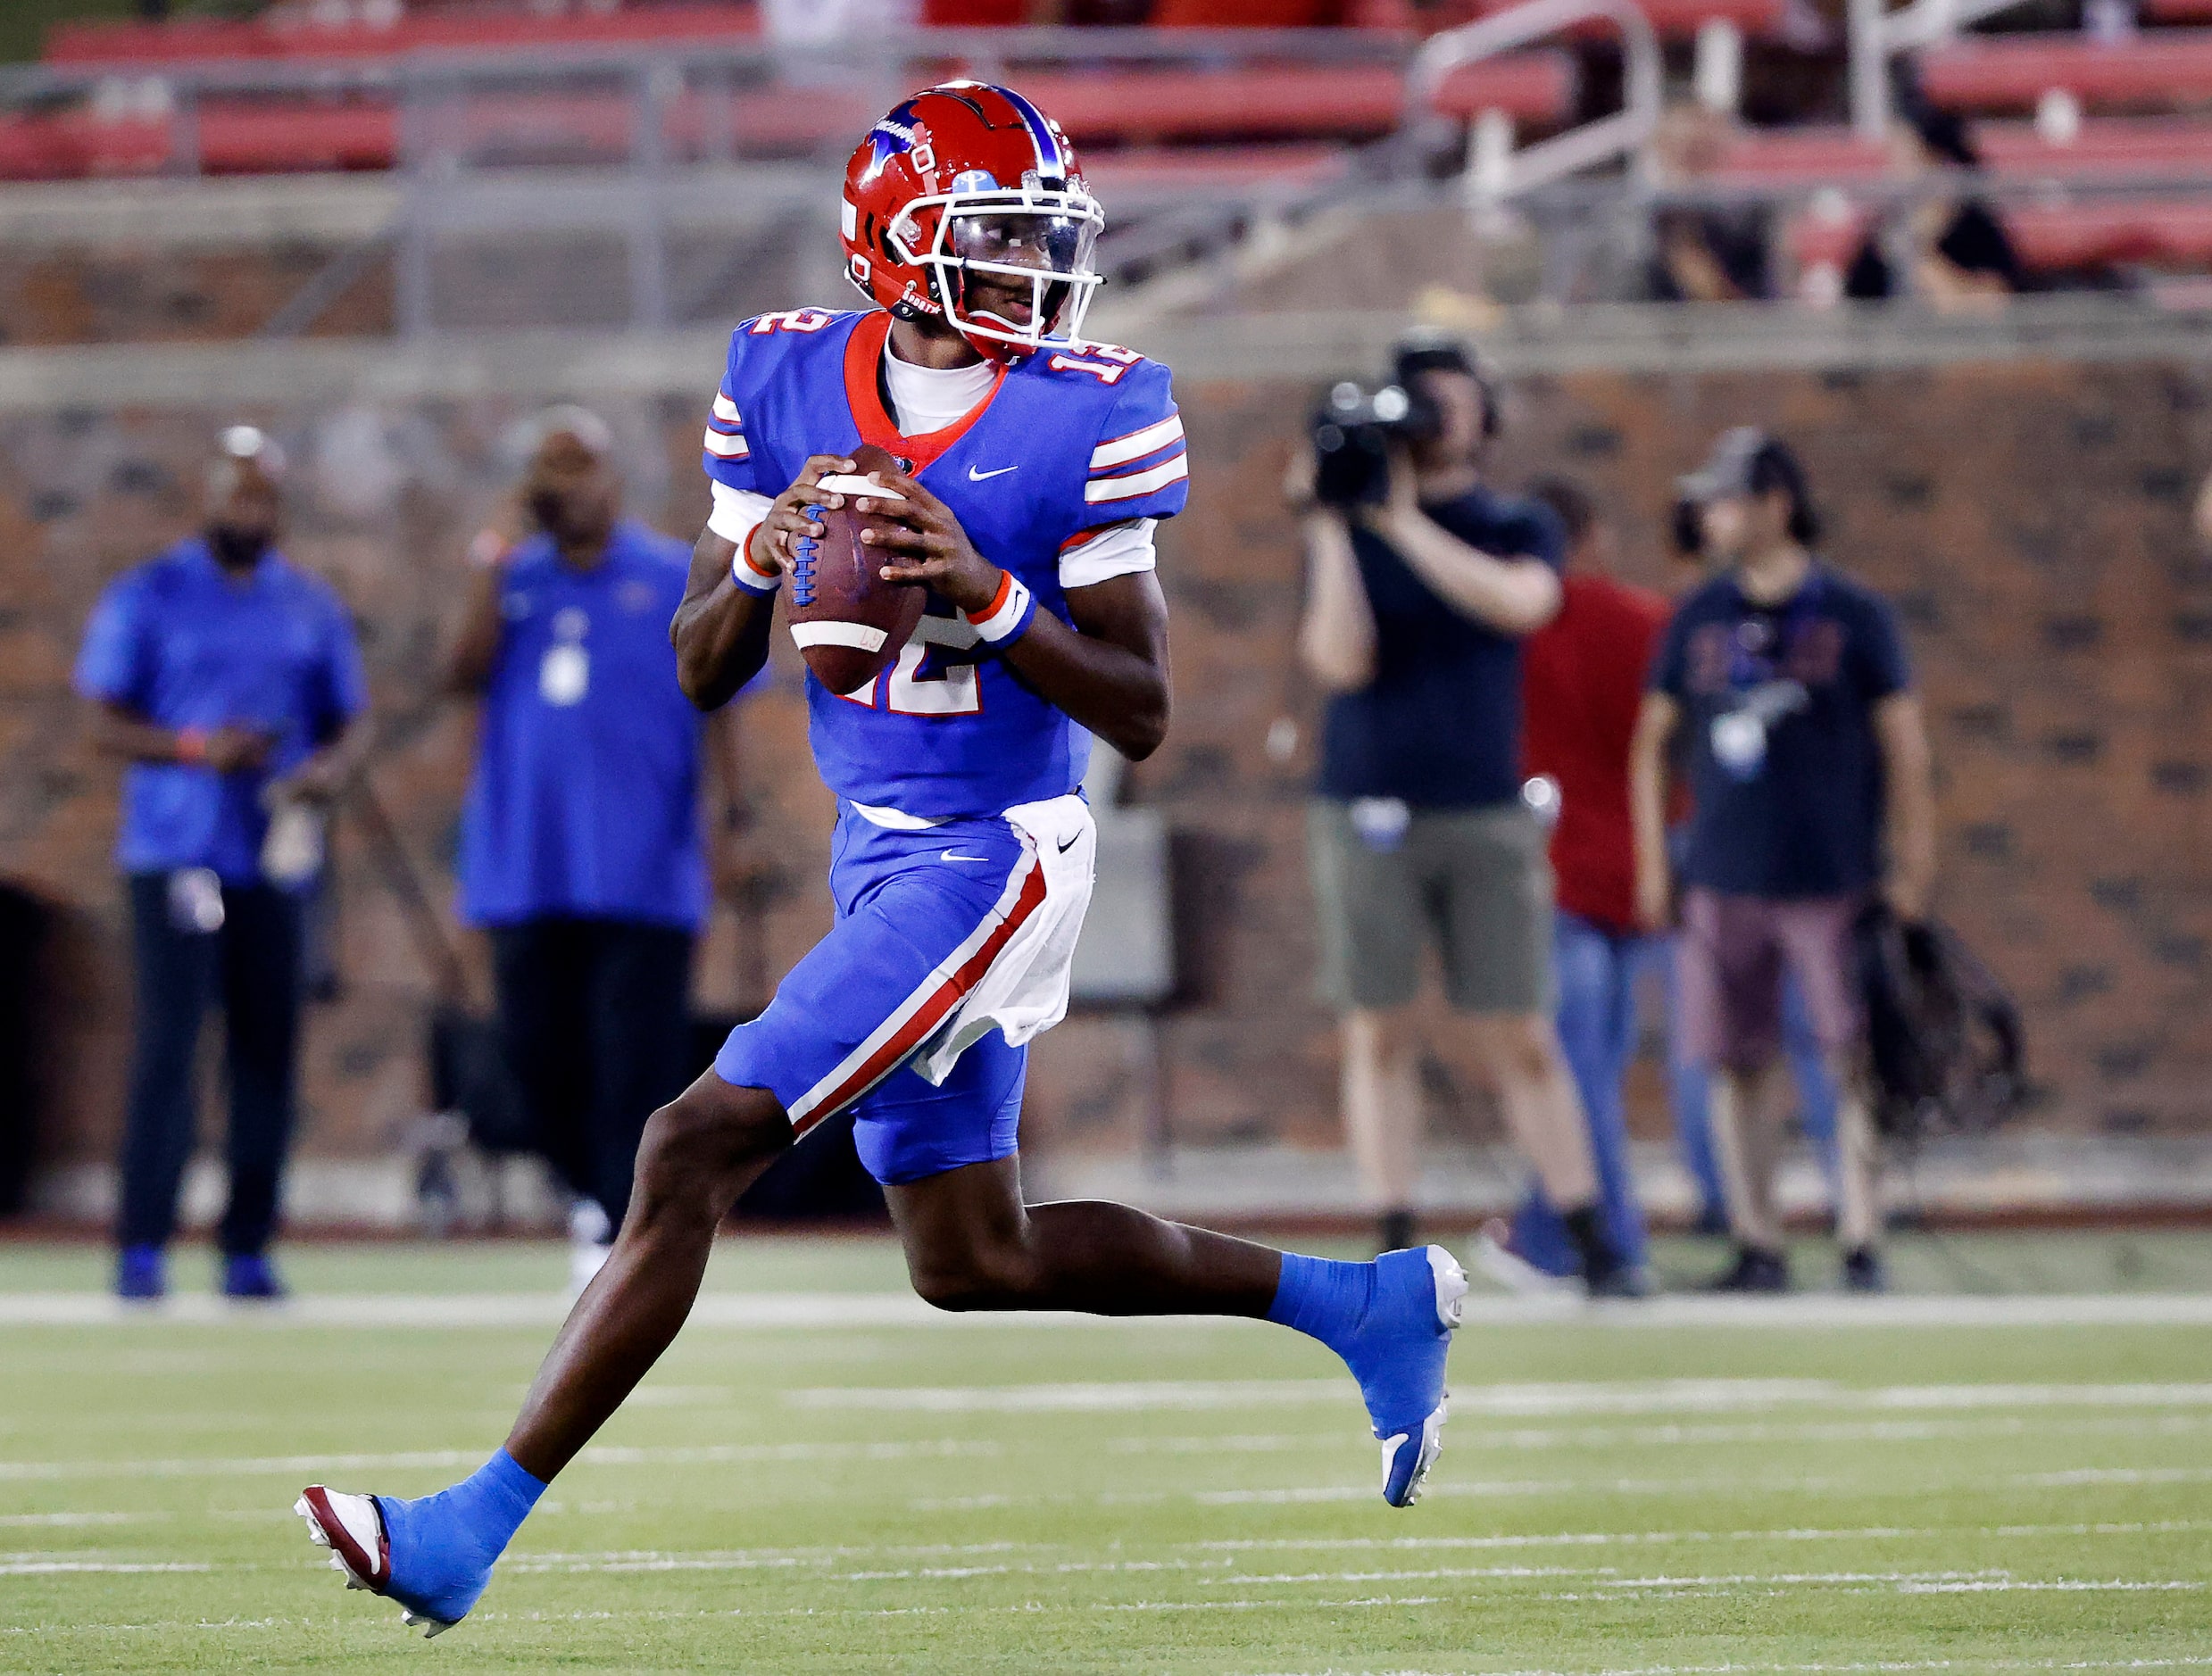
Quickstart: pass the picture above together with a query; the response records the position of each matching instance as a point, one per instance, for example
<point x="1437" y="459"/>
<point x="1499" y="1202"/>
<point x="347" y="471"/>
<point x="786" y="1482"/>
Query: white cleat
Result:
<point x="1432" y="1445"/>
<point x="351" y="1527"/>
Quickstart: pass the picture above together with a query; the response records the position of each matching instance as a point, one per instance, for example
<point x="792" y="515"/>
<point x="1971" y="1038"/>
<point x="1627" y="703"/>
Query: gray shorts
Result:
<point x="1477" y="880"/>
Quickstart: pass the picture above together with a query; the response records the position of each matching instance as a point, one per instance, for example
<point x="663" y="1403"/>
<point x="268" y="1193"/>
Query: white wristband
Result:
<point x="749" y="576"/>
<point x="1009" y="612"/>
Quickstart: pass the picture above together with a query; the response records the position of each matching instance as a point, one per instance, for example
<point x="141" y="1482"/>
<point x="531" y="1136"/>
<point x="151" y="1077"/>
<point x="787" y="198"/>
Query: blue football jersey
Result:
<point x="1070" y="439"/>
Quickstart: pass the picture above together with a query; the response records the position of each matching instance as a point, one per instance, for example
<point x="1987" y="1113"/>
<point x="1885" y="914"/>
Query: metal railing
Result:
<point x="1497" y="171"/>
<point x="1878" y="36"/>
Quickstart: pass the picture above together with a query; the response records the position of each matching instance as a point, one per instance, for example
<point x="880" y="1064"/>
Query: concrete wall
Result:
<point x="2030" y="516"/>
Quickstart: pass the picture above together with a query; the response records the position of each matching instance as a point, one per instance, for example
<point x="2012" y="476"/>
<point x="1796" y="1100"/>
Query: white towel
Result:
<point x="1025" y="990"/>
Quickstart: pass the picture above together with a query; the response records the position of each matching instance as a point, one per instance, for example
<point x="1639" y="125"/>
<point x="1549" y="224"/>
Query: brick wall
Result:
<point x="2030" y="519"/>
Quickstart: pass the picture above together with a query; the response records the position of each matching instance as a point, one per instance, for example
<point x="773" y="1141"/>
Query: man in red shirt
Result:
<point x="1581" y="681"/>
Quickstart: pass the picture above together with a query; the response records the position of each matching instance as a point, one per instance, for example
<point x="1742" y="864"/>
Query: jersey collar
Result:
<point x="862" y="352"/>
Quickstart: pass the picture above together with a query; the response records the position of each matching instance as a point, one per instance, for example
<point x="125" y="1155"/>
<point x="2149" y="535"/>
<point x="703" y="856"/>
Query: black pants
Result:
<point x="595" y="1015"/>
<point x="252" y="968"/>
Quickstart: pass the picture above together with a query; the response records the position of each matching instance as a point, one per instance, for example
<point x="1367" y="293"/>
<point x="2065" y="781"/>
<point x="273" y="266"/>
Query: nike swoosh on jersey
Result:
<point x="946" y="855"/>
<point x="975" y="476"/>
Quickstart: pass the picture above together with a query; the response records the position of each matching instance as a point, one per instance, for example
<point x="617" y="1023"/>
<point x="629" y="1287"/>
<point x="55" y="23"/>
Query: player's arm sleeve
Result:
<point x="731" y="458"/>
<point x="1107" y="550"/>
<point x="116" y="663"/>
<point x="1138" y="468"/>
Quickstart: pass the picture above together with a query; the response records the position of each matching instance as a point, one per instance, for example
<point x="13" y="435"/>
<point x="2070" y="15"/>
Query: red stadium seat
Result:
<point x="2049" y="238"/>
<point x="202" y="39"/>
<point x="1299" y="102"/>
<point x="251" y="139"/>
<point x="2012" y="73"/>
<point x="2108" y="146"/>
<point x="1679" y="19"/>
<point x="1800" y="156"/>
<point x="1114" y="174"/>
<point x="2055" y="237"/>
<point x="72" y="146"/>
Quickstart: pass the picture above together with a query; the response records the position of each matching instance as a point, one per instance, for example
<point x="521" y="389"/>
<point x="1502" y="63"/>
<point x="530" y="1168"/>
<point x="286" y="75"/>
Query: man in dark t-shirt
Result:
<point x="1808" y="764"/>
<point x="1418" y="832"/>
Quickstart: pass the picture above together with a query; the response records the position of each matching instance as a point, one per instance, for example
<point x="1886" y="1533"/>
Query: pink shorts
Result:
<point x="1729" y="970"/>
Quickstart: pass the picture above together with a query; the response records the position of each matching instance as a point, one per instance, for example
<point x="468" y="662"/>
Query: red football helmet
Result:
<point x="965" y="181"/>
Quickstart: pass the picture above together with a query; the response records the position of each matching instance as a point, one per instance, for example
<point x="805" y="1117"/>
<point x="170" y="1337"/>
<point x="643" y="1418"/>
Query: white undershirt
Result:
<point x="925" y="399"/>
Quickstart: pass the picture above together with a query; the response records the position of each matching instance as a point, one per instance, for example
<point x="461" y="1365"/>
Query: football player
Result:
<point x="1034" y="465"/>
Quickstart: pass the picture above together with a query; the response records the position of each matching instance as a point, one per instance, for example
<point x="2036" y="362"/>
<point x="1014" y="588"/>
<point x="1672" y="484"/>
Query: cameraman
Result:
<point x="1422" y="582"/>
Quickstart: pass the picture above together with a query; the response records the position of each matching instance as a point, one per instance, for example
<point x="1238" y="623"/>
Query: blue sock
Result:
<point x="443" y="1547"/>
<point x="1323" y="1300"/>
<point x="494" y="1500"/>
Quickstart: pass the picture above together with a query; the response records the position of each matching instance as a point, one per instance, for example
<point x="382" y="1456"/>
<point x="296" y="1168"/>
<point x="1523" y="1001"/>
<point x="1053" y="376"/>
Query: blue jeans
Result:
<point x="1597" y="1022"/>
<point x="1598" y="972"/>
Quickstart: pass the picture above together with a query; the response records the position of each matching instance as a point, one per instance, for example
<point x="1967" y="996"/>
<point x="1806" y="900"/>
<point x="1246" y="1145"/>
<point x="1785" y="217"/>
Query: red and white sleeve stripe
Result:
<point x="1138" y="464"/>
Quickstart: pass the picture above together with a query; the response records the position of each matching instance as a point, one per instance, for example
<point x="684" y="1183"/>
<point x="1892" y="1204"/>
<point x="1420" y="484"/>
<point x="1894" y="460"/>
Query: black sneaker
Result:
<point x="1865" y="1272"/>
<point x="1753" y="1271"/>
<point x="1625" y="1280"/>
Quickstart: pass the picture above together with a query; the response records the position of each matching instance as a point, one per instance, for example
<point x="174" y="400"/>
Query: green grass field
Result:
<point x="1646" y="1493"/>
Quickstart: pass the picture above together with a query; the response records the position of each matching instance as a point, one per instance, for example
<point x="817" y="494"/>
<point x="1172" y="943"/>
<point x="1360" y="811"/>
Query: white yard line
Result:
<point x="11" y="1520"/>
<point x="845" y="1310"/>
<point x="1577" y="1397"/>
<point x="1478" y="1437"/>
<point x="1887" y="1667"/>
<point x="1611" y="1539"/>
<point x="595" y="1455"/>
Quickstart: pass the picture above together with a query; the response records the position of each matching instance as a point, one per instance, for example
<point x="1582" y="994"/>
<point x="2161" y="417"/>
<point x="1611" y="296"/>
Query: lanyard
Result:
<point x="1750" y="665"/>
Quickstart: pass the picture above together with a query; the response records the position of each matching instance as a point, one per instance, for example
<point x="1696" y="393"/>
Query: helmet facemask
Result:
<point x="1044" y="237"/>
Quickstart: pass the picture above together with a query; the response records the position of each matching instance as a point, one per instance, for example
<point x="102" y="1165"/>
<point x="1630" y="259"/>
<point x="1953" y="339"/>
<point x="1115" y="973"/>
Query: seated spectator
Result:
<point x="1950" y="252"/>
<point x="1703" y="254"/>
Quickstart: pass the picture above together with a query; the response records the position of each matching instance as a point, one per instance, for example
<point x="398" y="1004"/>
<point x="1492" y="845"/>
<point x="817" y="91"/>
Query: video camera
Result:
<point x="1352" y="432"/>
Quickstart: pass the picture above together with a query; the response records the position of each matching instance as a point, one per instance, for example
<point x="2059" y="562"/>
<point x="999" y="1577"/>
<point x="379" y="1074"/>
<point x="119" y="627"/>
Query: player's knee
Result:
<point x="972" y="1279"/>
<point x="698" y="1149"/>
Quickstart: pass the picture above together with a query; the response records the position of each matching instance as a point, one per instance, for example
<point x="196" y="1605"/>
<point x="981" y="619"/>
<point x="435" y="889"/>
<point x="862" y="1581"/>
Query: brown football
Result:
<point x="848" y="621"/>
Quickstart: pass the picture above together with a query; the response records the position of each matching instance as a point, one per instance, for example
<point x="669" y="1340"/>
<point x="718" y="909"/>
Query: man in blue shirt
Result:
<point x="1808" y="760"/>
<point x="1415" y="613"/>
<point x="581" y="852"/>
<point x="230" y="681"/>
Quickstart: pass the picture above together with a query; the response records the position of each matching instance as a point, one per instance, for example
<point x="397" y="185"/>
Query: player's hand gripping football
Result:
<point x="791" y="513"/>
<point x="924" y="544"/>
